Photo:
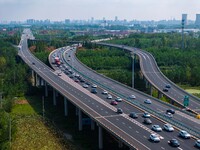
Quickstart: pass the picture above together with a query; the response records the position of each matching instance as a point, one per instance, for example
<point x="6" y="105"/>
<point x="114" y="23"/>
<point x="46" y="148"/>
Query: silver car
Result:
<point x="168" y="127"/>
<point x="156" y="128"/>
<point x="154" y="137"/>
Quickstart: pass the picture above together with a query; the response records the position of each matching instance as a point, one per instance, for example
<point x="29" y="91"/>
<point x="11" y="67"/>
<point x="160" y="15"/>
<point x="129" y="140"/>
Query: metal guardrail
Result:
<point x="173" y="122"/>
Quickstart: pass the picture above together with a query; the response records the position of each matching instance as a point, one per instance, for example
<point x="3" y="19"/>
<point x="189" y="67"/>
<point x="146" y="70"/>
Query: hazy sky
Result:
<point x="20" y="10"/>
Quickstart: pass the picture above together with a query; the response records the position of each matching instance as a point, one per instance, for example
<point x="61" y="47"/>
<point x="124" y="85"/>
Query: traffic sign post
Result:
<point x="186" y="101"/>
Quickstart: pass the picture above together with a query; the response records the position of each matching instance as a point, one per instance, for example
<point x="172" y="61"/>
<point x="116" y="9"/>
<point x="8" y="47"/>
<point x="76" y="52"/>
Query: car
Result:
<point x="154" y="138"/>
<point x="94" y="86"/>
<point x="109" y="96"/>
<point x="93" y="90"/>
<point x="113" y="102"/>
<point x="68" y="59"/>
<point x="168" y="86"/>
<point x="147" y="121"/>
<point x="76" y="80"/>
<point x="156" y="128"/>
<point x="184" y="134"/>
<point x="33" y="63"/>
<point x="88" y="83"/>
<point x="82" y="80"/>
<point x="174" y="143"/>
<point x="104" y="92"/>
<point x="165" y="89"/>
<point x="197" y="143"/>
<point x="168" y="127"/>
<point x="168" y="115"/>
<point x="133" y="115"/>
<point x="118" y="99"/>
<point x="132" y="97"/>
<point x="146" y="115"/>
<point x="119" y="111"/>
<point x="85" y="86"/>
<point x="172" y="111"/>
<point x="147" y="101"/>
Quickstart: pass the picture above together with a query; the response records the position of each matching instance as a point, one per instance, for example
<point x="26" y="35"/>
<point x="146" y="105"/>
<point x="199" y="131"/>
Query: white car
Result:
<point x="147" y="101"/>
<point x="146" y="115"/>
<point x="154" y="137"/>
<point x="184" y="134"/>
<point x="94" y="86"/>
<point x="118" y="99"/>
<point x="197" y="144"/>
<point x="104" y="92"/>
<point x="85" y="86"/>
<point x="109" y="96"/>
<point x="168" y="127"/>
<point x="156" y="128"/>
<point x="132" y="97"/>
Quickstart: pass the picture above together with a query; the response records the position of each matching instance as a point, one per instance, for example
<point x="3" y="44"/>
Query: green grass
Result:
<point x="31" y="131"/>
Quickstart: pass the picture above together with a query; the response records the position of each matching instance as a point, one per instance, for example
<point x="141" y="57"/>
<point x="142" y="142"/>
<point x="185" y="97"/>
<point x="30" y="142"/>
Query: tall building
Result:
<point x="197" y="22"/>
<point x="116" y="18"/>
<point x="184" y="17"/>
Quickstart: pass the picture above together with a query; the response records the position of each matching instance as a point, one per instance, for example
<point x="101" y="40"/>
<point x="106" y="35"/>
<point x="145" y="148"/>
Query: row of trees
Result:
<point x="112" y="63"/>
<point x="13" y="77"/>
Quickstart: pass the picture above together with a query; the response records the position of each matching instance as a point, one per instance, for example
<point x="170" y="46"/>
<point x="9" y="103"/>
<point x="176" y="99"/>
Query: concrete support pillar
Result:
<point x="80" y="126"/>
<point x="46" y="89"/>
<point x="54" y="97"/>
<point x="151" y="89"/>
<point x="100" y="138"/>
<point x="42" y="82"/>
<point x="146" y="83"/>
<point x="33" y="78"/>
<point x="160" y="95"/>
<point x="66" y="106"/>
<point x="92" y="124"/>
<point x="36" y="78"/>
<point x="120" y="144"/>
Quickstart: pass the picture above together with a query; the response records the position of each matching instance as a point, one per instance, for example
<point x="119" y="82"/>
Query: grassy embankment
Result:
<point x="31" y="132"/>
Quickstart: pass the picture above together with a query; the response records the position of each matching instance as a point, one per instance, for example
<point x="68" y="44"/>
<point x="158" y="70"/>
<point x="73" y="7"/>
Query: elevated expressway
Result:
<point x="113" y="87"/>
<point x="131" y="132"/>
<point x="104" y="115"/>
<point x="156" y="78"/>
<point x="181" y="119"/>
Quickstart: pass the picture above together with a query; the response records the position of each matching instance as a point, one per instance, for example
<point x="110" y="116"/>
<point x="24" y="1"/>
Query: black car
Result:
<point x="168" y="86"/>
<point x="147" y="121"/>
<point x="93" y="90"/>
<point x="133" y="115"/>
<point x="165" y="90"/>
<point x="174" y="143"/>
<point x="119" y="111"/>
<point x="170" y="111"/>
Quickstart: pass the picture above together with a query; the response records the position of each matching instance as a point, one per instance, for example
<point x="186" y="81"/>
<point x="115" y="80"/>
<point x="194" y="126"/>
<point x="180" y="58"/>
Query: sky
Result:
<point x="59" y="10"/>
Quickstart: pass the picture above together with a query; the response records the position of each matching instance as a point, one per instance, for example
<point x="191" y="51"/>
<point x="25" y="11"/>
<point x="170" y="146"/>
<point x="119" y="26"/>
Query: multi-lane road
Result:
<point x="131" y="131"/>
<point x="127" y="108"/>
<point x="153" y="74"/>
<point x="157" y="107"/>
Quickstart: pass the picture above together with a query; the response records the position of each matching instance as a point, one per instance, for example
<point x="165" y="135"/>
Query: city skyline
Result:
<point x="21" y="10"/>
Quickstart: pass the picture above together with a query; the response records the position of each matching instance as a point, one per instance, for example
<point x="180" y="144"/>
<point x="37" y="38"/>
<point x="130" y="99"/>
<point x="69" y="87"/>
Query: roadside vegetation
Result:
<point x="179" y="65"/>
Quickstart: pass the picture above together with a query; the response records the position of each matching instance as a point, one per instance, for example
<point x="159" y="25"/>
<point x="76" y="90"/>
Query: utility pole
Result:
<point x="133" y="68"/>
<point x="183" y="24"/>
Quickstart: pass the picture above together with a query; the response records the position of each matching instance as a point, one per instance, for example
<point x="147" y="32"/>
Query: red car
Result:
<point x="113" y="102"/>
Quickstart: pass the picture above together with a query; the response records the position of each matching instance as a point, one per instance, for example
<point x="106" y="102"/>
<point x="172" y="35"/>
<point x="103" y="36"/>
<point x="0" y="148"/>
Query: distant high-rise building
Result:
<point x="116" y="18"/>
<point x="184" y="17"/>
<point x="67" y="21"/>
<point x="197" y="22"/>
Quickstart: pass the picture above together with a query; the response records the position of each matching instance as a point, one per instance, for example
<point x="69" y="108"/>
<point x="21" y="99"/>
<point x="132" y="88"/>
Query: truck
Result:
<point x="57" y="61"/>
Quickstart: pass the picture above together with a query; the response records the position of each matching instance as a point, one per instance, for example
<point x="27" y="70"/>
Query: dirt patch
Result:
<point x="21" y="102"/>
